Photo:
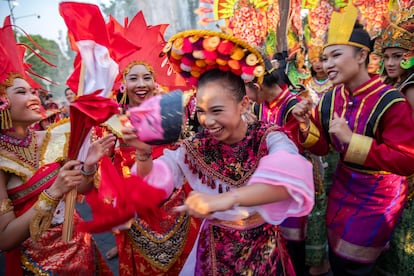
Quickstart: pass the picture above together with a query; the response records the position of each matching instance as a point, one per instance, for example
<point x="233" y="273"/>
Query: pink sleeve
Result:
<point x="295" y="173"/>
<point x="160" y="176"/>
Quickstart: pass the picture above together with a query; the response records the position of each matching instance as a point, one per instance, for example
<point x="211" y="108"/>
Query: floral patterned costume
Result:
<point x="242" y="240"/>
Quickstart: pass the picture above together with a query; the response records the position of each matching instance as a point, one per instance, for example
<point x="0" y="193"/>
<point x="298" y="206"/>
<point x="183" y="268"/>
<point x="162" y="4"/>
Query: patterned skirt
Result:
<point x="257" y="251"/>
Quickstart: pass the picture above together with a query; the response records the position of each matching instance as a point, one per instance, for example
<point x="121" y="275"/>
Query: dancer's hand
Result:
<point x="129" y="135"/>
<point x="303" y="111"/>
<point x="99" y="148"/>
<point x="202" y="205"/>
<point x="68" y="178"/>
<point x="339" y="127"/>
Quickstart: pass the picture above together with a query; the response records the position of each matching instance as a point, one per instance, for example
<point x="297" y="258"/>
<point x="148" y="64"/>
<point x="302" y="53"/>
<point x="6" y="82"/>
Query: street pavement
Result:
<point x="105" y="241"/>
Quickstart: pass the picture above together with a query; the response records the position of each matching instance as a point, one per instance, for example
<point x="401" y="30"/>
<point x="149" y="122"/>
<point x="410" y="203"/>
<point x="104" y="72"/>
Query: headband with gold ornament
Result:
<point x="193" y="52"/>
<point x="342" y="32"/>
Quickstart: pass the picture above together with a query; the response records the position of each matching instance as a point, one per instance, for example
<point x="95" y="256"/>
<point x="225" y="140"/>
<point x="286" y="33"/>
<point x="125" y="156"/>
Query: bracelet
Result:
<point x="90" y="172"/>
<point x="142" y="157"/>
<point x="46" y="202"/>
<point x="50" y="196"/>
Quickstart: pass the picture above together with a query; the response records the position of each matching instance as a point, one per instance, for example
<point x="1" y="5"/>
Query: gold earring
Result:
<point x="124" y="98"/>
<point x="5" y="117"/>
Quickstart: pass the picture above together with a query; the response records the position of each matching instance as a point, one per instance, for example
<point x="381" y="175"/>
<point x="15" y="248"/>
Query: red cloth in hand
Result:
<point x="119" y="199"/>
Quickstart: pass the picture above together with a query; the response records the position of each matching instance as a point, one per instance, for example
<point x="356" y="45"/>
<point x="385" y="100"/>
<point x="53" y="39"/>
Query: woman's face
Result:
<point x="252" y="92"/>
<point x="70" y="96"/>
<point x="374" y="63"/>
<point x="317" y="66"/>
<point x="25" y="106"/>
<point x="392" y="59"/>
<point x="220" y="113"/>
<point x="341" y="63"/>
<point x="140" y="85"/>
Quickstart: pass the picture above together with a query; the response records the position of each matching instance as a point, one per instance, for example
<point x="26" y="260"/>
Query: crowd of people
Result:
<point x="245" y="189"/>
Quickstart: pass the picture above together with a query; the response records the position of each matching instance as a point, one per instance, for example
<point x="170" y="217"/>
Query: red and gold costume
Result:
<point x="49" y="255"/>
<point x="144" y="250"/>
<point x="371" y="168"/>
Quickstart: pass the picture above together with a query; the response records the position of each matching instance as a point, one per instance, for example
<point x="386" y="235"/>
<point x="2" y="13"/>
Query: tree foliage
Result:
<point x="62" y="62"/>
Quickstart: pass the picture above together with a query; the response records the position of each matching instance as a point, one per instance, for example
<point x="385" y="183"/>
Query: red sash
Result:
<point x="23" y="198"/>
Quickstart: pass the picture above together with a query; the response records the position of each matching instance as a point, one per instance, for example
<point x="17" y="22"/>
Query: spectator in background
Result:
<point x="70" y="95"/>
<point x="49" y="103"/>
<point x="374" y="65"/>
<point x="64" y="110"/>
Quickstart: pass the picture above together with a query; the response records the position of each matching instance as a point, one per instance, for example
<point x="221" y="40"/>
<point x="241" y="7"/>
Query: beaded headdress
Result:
<point x="395" y="36"/>
<point x="193" y="52"/>
<point x="399" y="34"/>
<point x="342" y="31"/>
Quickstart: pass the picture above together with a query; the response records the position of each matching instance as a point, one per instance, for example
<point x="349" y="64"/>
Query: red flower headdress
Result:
<point x="12" y="65"/>
<point x="151" y="45"/>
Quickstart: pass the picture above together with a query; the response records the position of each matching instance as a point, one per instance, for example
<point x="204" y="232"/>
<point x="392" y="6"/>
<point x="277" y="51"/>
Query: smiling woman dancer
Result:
<point x="33" y="182"/>
<point x="140" y="244"/>
<point x="398" y="51"/>
<point x="243" y="175"/>
<point x="370" y="125"/>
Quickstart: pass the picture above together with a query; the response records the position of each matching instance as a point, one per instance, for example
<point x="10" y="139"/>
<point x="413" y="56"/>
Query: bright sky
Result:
<point x="49" y="23"/>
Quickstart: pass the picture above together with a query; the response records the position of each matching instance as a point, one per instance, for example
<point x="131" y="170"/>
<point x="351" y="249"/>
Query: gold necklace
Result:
<point x="24" y="149"/>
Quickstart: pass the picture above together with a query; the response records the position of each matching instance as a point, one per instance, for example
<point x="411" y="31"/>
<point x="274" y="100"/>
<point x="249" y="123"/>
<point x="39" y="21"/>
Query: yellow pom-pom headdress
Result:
<point x="193" y="52"/>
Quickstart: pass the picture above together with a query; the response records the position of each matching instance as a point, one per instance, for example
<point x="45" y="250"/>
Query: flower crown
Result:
<point x="193" y="52"/>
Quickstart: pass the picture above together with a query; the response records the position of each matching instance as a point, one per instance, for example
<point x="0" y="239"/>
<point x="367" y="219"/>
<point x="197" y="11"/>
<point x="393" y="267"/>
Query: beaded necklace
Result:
<point x="24" y="149"/>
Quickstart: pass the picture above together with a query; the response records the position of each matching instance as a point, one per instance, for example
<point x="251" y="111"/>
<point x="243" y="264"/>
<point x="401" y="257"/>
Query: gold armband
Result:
<point x="45" y="208"/>
<point x="6" y="206"/>
<point x="358" y="149"/>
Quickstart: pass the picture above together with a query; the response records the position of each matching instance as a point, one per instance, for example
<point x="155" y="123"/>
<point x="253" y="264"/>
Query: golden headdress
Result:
<point x="314" y="52"/>
<point x="193" y="52"/>
<point x="400" y="32"/>
<point x="342" y="31"/>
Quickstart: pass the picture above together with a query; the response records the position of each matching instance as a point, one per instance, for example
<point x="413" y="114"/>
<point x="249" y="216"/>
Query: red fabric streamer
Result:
<point x="87" y="111"/>
<point x="119" y="199"/>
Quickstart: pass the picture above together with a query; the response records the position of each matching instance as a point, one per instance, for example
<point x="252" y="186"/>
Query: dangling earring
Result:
<point x="122" y="90"/>
<point x="5" y="116"/>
